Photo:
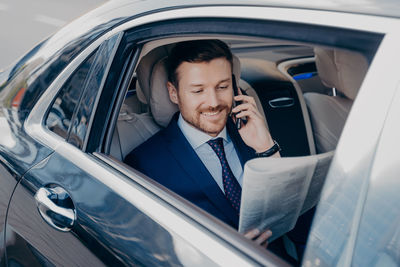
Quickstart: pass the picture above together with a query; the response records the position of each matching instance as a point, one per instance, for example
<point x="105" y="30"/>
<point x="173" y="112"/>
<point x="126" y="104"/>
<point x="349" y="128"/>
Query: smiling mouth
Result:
<point x="209" y="114"/>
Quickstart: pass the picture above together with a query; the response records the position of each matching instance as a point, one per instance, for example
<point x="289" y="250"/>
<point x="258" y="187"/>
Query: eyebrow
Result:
<point x="200" y="84"/>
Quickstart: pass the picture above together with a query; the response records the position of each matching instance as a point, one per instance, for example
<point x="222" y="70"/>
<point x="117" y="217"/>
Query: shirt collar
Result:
<point x="195" y="136"/>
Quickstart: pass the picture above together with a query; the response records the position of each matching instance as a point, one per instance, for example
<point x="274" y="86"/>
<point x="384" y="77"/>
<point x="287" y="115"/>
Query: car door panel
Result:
<point x="8" y="183"/>
<point x="25" y="224"/>
<point x="108" y="229"/>
<point x="18" y="152"/>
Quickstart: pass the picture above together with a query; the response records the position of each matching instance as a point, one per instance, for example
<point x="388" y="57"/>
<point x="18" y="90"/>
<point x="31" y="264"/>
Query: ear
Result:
<point x="173" y="93"/>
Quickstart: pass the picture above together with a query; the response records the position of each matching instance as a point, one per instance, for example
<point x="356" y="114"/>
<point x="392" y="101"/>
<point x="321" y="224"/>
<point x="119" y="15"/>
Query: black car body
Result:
<point x="59" y="106"/>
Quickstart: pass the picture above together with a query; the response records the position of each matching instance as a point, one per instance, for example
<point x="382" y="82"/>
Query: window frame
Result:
<point x="184" y="27"/>
<point x="81" y="92"/>
<point x="98" y="51"/>
<point x="102" y="62"/>
<point x="135" y="37"/>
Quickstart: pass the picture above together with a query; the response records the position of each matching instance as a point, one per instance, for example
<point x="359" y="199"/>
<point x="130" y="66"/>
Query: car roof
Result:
<point x="389" y="8"/>
<point x="113" y="13"/>
<point x="53" y="54"/>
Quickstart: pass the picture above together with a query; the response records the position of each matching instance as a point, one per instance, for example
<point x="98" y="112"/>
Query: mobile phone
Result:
<point x="235" y="93"/>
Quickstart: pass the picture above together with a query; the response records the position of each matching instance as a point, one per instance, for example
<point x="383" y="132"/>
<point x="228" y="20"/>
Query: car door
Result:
<point x="75" y="209"/>
<point x="97" y="211"/>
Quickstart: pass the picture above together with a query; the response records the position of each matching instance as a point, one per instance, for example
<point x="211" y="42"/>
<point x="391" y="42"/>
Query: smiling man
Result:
<point x="201" y="153"/>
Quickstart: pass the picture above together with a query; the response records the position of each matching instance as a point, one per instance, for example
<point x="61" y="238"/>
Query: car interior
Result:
<point x="299" y="88"/>
<point x="304" y="91"/>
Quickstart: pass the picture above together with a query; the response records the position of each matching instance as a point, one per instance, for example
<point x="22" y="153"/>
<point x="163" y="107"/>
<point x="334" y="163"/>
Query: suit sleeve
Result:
<point x="131" y="160"/>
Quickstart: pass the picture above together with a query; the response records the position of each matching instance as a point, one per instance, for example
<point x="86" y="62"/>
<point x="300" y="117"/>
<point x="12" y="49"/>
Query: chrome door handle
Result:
<point x="281" y="102"/>
<point x="56" y="207"/>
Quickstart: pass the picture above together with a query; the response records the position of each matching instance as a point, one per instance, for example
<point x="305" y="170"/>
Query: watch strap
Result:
<point x="274" y="149"/>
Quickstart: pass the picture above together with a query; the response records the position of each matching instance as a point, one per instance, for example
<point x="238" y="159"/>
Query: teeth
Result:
<point x="210" y="114"/>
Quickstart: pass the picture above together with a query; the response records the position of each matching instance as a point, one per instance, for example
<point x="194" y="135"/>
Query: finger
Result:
<point x="263" y="238"/>
<point x="239" y="90"/>
<point x="245" y="98"/>
<point x="252" y="233"/>
<point x="244" y="106"/>
<point x="250" y="114"/>
<point x="249" y="100"/>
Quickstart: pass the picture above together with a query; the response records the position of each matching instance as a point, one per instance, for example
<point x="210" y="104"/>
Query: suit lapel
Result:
<point x="183" y="153"/>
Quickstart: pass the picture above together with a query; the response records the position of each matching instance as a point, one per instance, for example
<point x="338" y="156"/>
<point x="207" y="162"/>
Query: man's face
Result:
<point x="205" y="94"/>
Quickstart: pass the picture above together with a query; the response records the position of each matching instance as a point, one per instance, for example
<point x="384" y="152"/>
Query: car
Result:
<point x="71" y="109"/>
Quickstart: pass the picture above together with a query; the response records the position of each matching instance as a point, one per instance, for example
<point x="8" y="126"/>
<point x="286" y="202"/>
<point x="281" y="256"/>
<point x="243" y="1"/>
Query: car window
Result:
<point x="94" y="81"/>
<point x="138" y="119"/>
<point x="70" y="113"/>
<point x="59" y="117"/>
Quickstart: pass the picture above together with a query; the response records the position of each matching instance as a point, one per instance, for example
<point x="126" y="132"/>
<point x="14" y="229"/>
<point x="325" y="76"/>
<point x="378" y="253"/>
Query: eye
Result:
<point x="223" y="87"/>
<point x="198" y="91"/>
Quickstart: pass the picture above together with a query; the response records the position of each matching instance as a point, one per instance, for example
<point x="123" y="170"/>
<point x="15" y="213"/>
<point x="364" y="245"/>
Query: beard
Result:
<point x="211" y="120"/>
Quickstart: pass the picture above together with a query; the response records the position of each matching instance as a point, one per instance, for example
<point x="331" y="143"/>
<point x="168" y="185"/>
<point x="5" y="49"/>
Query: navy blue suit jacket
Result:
<point x="168" y="158"/>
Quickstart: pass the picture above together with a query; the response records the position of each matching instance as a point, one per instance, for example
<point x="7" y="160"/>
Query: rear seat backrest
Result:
<point x="132" y="129"/>
<point x="345" y="71"/>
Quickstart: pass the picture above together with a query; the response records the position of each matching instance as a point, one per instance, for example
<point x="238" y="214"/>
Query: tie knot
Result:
<point x="216" y="143"/>
<point x="218" y="146"/>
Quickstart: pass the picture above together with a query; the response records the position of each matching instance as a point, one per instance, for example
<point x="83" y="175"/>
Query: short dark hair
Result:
<point x="195" y="51"/>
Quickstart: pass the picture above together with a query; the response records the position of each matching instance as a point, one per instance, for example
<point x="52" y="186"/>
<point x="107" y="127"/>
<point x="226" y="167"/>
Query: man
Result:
<point x="201" y="154"/>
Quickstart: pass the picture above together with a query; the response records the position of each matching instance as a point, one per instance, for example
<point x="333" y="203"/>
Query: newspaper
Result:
<point x="317" y="180"/>
<point x="276" y="191"/>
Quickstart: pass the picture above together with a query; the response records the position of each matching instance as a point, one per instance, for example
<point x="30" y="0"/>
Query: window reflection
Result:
<point x="60" y="114"/>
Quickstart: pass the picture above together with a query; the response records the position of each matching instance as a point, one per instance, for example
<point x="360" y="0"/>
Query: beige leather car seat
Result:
<point x="131" y="130"/>
<point x="345" y="71"/>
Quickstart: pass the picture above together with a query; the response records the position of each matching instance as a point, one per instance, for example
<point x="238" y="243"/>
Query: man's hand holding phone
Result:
<point x="254" y="132"/>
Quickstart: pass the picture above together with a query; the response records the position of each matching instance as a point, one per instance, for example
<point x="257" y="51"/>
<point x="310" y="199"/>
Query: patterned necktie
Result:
<point x="232" y="188"/>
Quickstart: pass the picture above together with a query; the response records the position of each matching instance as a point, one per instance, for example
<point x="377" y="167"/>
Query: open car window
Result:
<point x="275" y="70"/>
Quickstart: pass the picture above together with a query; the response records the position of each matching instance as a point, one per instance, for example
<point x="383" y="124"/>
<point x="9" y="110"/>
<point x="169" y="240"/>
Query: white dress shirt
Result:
<point x="198" y="140"/>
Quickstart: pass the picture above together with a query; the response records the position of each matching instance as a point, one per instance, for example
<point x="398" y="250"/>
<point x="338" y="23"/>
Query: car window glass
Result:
<point x="94" y="82"/>
<point x="60" y="114"/>
<point x="378" y="240"/>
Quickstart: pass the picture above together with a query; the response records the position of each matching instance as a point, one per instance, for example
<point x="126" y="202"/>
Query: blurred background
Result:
<point x="24" y="23"/>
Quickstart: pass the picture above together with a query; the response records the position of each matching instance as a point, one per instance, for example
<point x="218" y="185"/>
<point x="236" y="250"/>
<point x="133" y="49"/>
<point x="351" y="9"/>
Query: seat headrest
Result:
<point x="153" y="90"/>
<point x="161" y="107"/>
<point x="144" y="70"/>
<point x="344" y="70"/>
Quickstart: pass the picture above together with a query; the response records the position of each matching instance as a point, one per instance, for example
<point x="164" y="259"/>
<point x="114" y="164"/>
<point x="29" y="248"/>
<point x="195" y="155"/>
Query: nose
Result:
<point x="212" y="98"/>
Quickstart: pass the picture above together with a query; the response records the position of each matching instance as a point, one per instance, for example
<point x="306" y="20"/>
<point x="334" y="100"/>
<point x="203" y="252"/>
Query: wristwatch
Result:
<point x="275" y="148"/>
